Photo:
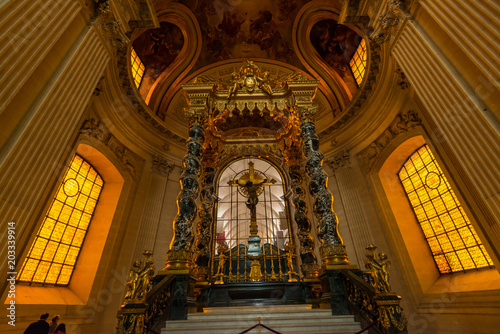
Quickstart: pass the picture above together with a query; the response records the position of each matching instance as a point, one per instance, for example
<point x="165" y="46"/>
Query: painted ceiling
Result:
<point x="244" y="29"/>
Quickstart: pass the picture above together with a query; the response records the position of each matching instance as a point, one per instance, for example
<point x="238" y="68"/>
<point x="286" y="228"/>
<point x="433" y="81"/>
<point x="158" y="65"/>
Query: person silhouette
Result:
<point x="61" y="329"/>
<point x="39" y="327"/>
<point x="53" y="324"/>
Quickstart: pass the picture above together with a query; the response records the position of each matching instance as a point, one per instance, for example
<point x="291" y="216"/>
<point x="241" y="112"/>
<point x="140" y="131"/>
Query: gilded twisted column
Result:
<point x="306" y="241"/>
<point x="203" y="236"/>
<point x="180" y="254"/>
<point x="332" y="250"/>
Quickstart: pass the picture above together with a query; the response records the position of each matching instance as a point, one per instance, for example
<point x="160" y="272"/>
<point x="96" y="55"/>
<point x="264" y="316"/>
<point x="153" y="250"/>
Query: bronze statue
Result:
<point x="251" y="185"/>
<point x="221" y="249"/>
<point x="141" y="272"/>
<point x="379" y="269"/>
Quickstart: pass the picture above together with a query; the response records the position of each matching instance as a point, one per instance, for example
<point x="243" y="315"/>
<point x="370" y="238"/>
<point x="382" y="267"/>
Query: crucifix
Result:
<point x="251" y="186"/>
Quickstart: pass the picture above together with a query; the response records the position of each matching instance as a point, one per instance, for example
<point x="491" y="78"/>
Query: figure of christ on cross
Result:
<point x="251" y="186"/>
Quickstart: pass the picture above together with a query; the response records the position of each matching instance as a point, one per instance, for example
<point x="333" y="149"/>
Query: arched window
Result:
<point x="233" y="214"/>
<point x="358" y="62"/>
<point x="454" y="244"/>
<point x="55" y="250"/>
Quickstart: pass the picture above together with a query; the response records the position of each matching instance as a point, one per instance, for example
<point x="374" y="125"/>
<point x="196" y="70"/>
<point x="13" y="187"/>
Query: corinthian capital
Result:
<point x="306" y="114"/>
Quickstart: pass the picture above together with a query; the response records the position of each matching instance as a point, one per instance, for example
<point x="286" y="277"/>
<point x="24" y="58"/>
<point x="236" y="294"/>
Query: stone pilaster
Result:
<point x="160" y="171"/>
<point x="348" y="187"/>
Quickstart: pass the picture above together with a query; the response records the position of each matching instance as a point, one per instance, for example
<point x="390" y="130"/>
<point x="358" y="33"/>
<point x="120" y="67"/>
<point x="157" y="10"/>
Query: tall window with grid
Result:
<point x="137" y="68"/>
<point x="358" y="62"/>
<point x="452" y="239"/>
<point x="53" y="255"/>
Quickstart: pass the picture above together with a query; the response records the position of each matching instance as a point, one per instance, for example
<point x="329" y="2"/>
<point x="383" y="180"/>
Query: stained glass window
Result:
<point x="53" y="254"/>
<point x="452" y="239"/>
<point x="358" y="62"/>
<point x="137" y="68"/>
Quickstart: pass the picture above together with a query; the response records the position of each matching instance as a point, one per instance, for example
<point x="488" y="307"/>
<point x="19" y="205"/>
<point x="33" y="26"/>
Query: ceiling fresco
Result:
<point x="157" y="48"/>
<point x="336" y="44"/>
<point x="246" y="29"/>
<point x="232" y="30"/>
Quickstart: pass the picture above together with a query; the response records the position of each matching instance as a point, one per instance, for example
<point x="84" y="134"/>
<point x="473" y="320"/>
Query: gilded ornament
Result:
<point x="141" y="272"/>
<point x="255" y="271"/>
<point x="379" y="269"/>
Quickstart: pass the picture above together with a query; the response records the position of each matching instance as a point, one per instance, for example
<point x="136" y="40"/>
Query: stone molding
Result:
<point x="403" y="122"/>
<point x="96" y="130"/>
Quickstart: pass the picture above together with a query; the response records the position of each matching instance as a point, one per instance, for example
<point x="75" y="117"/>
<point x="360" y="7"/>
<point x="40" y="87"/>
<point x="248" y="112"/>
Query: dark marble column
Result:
<point x="179" y="256"/>
<point x="332" y="250"/>
<point x="306" y="241"/>
<point x="203" y="235"/>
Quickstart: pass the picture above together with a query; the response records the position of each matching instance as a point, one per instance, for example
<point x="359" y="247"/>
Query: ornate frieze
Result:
<point x="391" y="15"/>
<point x="98" y="131"/>
<point x="340" y="162"/>
<point x="161" y="166"/>
<point x="108" y="25"/>
<point x="403" y="122"/>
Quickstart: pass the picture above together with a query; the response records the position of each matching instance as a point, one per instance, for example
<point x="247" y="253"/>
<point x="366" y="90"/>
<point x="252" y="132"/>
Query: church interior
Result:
<point x="165" y="160"/>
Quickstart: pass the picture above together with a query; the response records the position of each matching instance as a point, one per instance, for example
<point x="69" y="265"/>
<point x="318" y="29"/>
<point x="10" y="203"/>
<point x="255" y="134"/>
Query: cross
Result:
<point x="251" y="185"/>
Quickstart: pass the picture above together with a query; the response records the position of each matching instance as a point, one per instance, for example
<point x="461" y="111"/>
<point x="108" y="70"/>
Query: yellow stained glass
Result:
<point x="137" y="68"/>
<point x="358" y="62"/>
<point x="58" y="231"/>
<point x="436" y="225"/>
<point x="454" y="262"/>
<point x="443" y="221"/>
<point x="54" y="271"/>
<point x="28" y="269"/>
<point x="420" y="212"/>
<point x="65" y="275"/>
<point x="426" y="227"/>
<point x="61" y="235"/>
<point x="442" y="264"/>
<point x="48" y="226"/>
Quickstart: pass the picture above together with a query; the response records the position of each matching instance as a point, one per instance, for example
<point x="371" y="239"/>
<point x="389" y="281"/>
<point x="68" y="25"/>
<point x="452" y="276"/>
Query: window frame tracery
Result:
<point x="439" y="247"/>
<point x="61" y="196"/>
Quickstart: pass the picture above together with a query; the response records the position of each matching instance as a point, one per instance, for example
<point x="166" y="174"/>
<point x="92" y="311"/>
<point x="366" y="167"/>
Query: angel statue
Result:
<point x="140" y="273"/>
<point x="379" y="269"/>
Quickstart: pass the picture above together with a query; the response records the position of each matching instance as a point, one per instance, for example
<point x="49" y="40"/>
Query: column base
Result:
<point x="178" y="260"/>
<point x="334" y="255"/>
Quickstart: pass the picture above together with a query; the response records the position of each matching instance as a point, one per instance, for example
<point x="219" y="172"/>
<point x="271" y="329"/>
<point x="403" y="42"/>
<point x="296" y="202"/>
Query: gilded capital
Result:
<point x="306" y="114"/>
<point x="196" y="115"/>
